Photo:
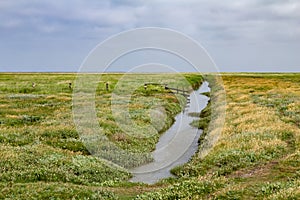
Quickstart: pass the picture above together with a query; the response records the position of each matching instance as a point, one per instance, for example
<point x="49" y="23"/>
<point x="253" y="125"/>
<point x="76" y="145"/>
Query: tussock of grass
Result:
<point x="35" y="163"/>
<point x="43" y="190"/>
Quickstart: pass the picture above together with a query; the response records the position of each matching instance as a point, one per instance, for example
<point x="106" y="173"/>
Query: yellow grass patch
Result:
<point x="13" y="116"/>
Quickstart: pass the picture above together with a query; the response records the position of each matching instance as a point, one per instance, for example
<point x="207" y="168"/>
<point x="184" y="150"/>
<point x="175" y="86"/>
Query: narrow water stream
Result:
<point x="177" y="145"/>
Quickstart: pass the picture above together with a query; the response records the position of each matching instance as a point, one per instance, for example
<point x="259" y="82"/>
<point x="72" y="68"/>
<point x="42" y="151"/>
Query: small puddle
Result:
<point x="177" y="145"/>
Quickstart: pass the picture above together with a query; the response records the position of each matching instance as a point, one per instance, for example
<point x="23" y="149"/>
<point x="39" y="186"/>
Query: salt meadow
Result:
<point x="256" y="156"/>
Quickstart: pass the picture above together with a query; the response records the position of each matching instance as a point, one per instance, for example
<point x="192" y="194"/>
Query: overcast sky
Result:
<point x="240" y="35"/>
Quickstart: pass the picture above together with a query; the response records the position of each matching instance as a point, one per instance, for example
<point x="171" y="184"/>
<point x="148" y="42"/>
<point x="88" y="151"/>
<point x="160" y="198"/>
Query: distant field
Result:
<point x="257" y="155"/>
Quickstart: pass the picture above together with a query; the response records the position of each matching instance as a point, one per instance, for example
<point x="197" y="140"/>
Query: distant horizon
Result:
<point x="123" y="72"/>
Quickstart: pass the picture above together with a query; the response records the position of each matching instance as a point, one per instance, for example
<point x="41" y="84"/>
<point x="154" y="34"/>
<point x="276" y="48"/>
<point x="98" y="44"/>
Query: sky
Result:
<point x="240" y="35"/>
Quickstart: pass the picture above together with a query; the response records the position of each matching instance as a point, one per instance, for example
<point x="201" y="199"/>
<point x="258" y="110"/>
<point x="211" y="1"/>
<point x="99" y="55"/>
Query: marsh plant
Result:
<point x="256" y="155"/>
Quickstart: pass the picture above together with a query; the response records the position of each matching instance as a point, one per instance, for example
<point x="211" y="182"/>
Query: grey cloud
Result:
<point x="214" y="22"/>
<point x="235" y="17"/>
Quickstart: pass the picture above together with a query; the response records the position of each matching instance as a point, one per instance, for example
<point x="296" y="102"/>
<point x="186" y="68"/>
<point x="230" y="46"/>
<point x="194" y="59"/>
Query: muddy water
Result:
<point x="177" y="145"/>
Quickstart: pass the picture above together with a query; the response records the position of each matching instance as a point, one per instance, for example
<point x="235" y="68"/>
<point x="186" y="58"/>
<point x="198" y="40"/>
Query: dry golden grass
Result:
<point x="254" y="127"/>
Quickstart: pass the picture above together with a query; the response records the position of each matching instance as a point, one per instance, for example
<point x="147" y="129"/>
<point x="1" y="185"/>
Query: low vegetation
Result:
<point x="39" y="144"/>
<point x="255" y="156"/>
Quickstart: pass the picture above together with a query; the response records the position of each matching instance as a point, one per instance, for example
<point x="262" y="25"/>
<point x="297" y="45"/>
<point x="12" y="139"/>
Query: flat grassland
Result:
<point x="257" y="155"/>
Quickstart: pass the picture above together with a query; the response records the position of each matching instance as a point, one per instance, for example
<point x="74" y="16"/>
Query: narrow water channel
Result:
<point x="177" y="145"/>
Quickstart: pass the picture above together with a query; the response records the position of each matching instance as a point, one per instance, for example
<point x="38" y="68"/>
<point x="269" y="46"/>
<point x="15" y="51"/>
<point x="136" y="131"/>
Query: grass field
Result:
<point x="257" y="155"/>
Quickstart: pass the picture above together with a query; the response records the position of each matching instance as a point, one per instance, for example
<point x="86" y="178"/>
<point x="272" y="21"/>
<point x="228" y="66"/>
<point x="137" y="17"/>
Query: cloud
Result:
<point x="214" y="22"/>
<point x="52" y="16"/>
<point x="247" y="19"/>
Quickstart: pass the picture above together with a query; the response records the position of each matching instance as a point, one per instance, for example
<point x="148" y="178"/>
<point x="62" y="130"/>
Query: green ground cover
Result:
<point x="257" y="155"/>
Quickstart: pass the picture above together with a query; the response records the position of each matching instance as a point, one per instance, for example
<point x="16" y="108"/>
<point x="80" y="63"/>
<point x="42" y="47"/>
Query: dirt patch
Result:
<point x="258" y="171"/>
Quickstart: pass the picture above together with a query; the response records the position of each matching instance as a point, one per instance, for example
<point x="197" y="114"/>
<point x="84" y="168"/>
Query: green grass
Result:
<point x="42" y="155"/>
<point x="256" y="155"/>
<point x="44" y="190"/>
